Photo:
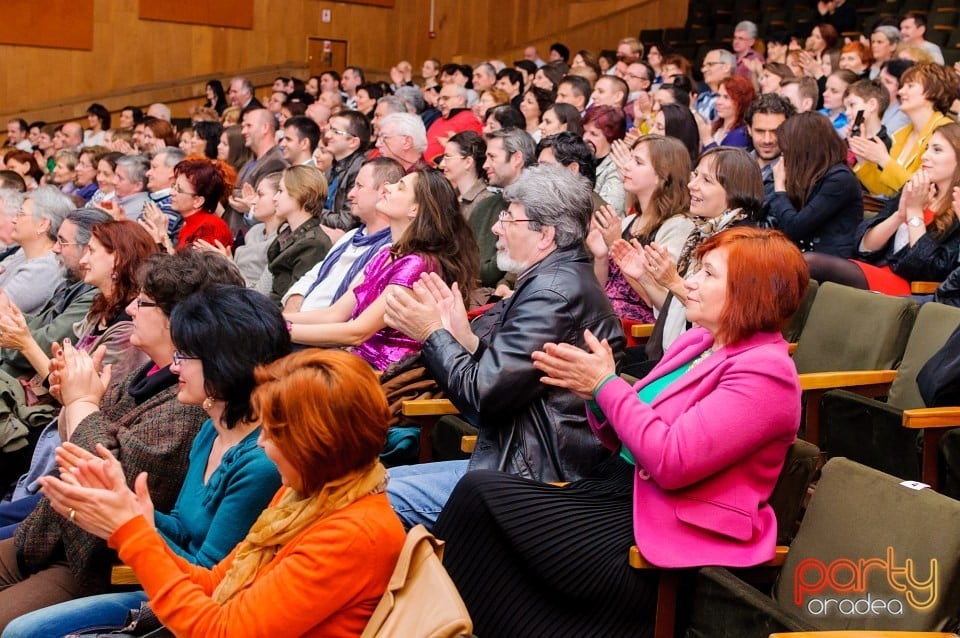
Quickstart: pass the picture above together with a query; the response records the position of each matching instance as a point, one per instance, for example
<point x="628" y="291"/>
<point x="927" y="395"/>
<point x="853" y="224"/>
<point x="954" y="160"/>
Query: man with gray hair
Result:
<point x="31" y="275"/>
<point x="509" y="152"/>
<point x="385" y="106"/>
<point x="403" y="138"/>
<point x="160" y="180"/>
<point x="484" y="77"/>
<point x="749" y="61"/>
<point x="160" y="111"/>
<point x="240" y="93"/>
<point x="484" y="367"/>
<point x="454" y="118"/>
<point x="717" y="66"/>
<point x="130" y="186"/>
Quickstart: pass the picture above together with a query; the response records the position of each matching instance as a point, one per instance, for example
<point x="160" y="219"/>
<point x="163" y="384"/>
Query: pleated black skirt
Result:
<point x="532" y="559"/>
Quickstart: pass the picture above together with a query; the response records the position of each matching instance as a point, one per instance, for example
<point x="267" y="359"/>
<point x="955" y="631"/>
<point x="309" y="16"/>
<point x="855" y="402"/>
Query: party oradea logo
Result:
<point x="865" y="587"/>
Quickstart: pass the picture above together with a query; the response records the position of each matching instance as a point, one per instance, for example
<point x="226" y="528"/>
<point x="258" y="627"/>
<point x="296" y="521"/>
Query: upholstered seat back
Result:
<point x="873" y="553"/>
<point x="935" y="322"/>
<point x="849" y="329"/>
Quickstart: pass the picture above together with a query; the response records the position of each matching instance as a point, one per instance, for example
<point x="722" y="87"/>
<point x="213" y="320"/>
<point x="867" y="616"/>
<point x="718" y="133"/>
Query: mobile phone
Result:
<point x="857" y="123"/>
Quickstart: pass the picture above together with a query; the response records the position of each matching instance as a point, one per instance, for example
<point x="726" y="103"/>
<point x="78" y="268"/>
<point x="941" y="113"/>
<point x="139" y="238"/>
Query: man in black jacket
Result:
<point x="484" y="367"/>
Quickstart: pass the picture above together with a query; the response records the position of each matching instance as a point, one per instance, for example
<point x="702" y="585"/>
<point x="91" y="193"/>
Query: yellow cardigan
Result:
<point x="898" y="170"/>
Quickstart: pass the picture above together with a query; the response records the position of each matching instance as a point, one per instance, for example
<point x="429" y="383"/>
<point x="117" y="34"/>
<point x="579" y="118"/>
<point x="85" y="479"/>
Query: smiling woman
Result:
<point x="677" y="438"/>
<point x="137" y="417"/>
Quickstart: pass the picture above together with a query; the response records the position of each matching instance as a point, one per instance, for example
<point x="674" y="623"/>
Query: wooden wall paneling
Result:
<point x="136" y="61"/>
<point x="61" y="24"/>
<point x="219" y="13"/>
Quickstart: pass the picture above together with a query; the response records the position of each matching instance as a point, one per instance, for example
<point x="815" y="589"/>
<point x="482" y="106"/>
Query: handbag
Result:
<point x="421" y="601"/>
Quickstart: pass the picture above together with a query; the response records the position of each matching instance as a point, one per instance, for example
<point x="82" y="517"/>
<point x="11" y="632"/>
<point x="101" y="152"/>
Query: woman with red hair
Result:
<point x="857" y="58"/>
<point x="602" y="126"/>
<point x="318" y="559"/>
<point x="199" y="186"/>
<point x="734" y="95"/>
<point x="687" y="482"/>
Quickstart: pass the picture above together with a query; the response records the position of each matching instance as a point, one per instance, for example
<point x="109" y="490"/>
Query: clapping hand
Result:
<point x="580" y="371"/>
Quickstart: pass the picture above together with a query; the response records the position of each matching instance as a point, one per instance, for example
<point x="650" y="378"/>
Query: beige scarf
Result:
<point x="292" y="514"/>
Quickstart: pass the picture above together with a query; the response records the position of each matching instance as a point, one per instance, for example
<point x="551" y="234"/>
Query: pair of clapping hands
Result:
<point x="91" y="491"/>
<point x="650" y="263"/>
<point x="431" y="305"/>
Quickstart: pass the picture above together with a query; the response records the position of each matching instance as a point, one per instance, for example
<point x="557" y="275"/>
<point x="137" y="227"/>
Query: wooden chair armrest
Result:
<point x="924" y="287"/>
<point x="468" y="442"/>
<point x="641" y="330"/>
<point x="428" y="407"/>
<point x="845" y="379"/>
<point x="123" y="575"/>
<point x="637" y="561"/>
<point x="924" y="418"/>
<point x="863" y="634"/>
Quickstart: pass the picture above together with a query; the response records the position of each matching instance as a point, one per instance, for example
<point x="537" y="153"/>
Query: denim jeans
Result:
<point x="418" y="492"/>
<point x="106" y="612"/>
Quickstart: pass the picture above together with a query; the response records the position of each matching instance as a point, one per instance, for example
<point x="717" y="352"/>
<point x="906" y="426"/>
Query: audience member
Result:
<point x="426" y="238"/>
<point x="817" y="201"/>
<point x="925" y="96"/>
<point x="603" y="125"/>
<point x="739" y="365"/>
<point x="734" y="96"/>
<point x="917" y="236"/>
<point x="484" y="366"/>
<point x="403" y="138"/>
<point x="31" y="275"/>
<point x="301" y="241"/>
<point x="455" y="117"/>
<point x="347" y="138"/>
<point x="559" y="118"/>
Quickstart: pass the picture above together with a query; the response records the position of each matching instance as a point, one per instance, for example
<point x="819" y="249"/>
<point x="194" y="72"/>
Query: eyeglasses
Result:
<point x="179" y="358"/>
<point x="67" y="243"/>
<point x="711" y="63"/>
<point x="340" y="132"/>
<point x="502" y="218"/>
<point x="143" y="303"/>
<point x="383" y="137"/>
<point x="177" y="189"/>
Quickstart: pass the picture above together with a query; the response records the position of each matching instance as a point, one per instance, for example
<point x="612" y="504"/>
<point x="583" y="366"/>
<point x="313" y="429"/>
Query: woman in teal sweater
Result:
<point x="229" y="480"/>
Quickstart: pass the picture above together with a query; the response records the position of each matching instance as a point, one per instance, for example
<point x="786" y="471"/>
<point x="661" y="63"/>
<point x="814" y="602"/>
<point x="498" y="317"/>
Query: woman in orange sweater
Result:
<point x="317" y="560"/>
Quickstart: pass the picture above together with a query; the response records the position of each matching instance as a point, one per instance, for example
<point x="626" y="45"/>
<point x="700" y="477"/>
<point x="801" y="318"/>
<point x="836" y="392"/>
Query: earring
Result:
<point x="208" y="403"/>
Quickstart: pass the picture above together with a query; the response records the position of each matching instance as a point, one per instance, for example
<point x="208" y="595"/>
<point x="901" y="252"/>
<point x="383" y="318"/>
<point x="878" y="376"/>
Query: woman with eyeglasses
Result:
<point x="199" y="186"/>
<point x="462" y="165"/>
<point x="32" y="273"/>
<point x="110" y="262"/>
<point x="229" y="479"/>
<point x="137" y="417"/>
<point x="426" y="238"/>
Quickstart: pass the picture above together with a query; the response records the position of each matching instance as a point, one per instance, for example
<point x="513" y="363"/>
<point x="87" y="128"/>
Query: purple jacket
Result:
<point x="709" y="449"/>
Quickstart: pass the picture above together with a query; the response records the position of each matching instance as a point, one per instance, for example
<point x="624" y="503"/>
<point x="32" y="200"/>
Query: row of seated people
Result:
<point x="542" y="232"/>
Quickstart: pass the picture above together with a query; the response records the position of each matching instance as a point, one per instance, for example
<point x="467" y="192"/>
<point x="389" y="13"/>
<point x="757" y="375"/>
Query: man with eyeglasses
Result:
<point x="347" y="138"/>
<point x="484" y="367"/>
<point x="454" y="118"/>
<point x="717" y="66"/>
<point x="403" y="137"/>
<point x="749" y="61"/>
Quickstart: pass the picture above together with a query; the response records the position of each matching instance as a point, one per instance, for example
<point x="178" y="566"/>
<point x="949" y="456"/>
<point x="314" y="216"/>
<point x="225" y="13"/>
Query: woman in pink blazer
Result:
<point x="697" y="447"/>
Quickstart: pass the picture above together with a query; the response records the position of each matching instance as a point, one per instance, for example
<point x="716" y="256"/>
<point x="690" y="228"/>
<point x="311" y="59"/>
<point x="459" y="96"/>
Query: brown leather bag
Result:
<point x="421" y="601"/>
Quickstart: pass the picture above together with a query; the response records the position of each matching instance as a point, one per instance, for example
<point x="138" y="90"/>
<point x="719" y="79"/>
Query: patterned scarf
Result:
<point x="292" y="514"/>
<point x="703" y="228"/>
